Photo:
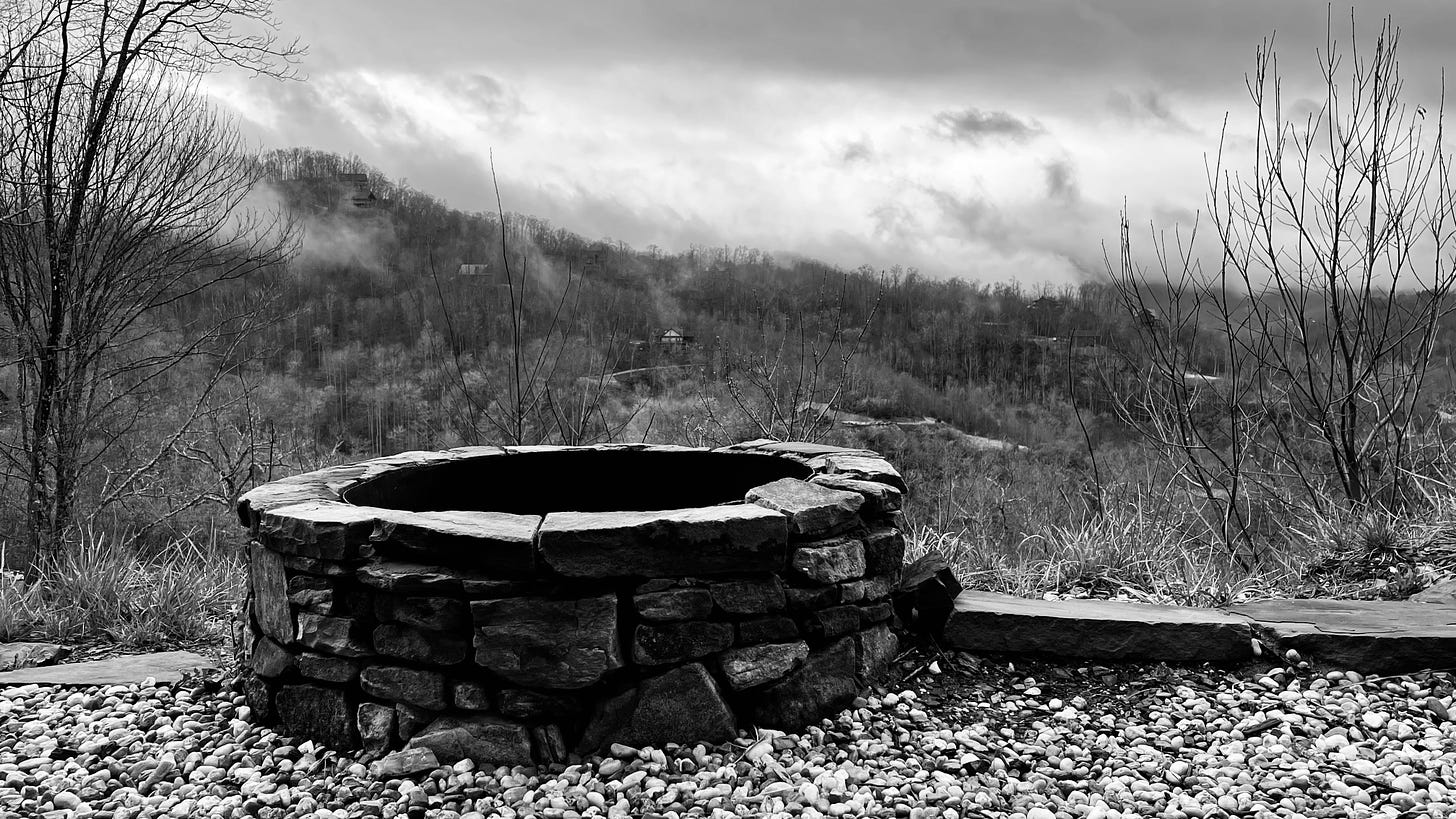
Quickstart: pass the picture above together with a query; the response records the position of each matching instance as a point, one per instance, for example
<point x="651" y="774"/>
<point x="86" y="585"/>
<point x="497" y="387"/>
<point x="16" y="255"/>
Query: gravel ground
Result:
<point x="959" y="737"/>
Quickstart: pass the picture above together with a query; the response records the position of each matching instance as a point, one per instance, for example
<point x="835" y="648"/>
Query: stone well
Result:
<point x="518" y="604"/>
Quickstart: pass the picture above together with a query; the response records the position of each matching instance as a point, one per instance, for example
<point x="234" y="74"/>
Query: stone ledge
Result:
<point x="679" y="542"/>
<point x="801" y="449"/>
<point x="1368" y="635"/>
<point x="164" y="667"/>
<point x="254" y="503"/>
<point x="866" y="466"/>
<point x="1097" y="629"/>
<point x="811" y="509"/>
<point x="497" y="542"/>
<point x="1443" y="593"/>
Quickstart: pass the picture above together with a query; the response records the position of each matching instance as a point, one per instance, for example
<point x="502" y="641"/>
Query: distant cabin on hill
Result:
<point x="674" y="341"/>
<point x="358" y="192"/>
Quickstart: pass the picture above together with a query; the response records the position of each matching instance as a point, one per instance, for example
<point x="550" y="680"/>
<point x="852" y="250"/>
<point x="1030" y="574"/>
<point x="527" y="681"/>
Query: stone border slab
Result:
<point x="1096" y="629"/>
<point x="1369" y="635"/>
<point x="164" y="666"/>
<point x="702" y="541"/>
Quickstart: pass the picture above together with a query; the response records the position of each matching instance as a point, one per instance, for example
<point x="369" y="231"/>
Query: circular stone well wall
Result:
<point x="518" y="604"/>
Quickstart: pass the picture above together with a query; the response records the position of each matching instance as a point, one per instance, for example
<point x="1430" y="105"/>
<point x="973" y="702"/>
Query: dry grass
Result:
<point x="1032" y="526"/>
<point x="102" y="589"/>
<point x="1124" y="554"/>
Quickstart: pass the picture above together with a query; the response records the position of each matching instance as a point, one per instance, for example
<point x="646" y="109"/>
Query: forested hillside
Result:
<point x="381" y="343"/>
<point x="397" y="322"/>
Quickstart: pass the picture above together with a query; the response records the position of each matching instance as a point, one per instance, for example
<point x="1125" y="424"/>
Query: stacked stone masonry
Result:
<point x="522" y="637"/>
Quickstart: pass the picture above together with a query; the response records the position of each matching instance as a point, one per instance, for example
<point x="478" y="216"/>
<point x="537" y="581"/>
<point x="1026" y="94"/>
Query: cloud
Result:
<point x="970" y="214"/>
<point x="1149" y="106"/>
<point x="1061" y="180"/>
<point x="608" y="119"/>
<point x="974" y="125"/>
<point x="858" y="150"/>
<point x="894" y="223"/>
<point x="487" y="96"/>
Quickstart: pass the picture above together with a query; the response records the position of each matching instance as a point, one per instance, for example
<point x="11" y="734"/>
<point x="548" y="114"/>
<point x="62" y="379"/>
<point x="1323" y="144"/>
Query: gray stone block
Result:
<point x="662" y="643"/>
<point x="1381" y="636"/>
<point x="767" y="630"/>
<point x="812" y="510"/>
<point x="338" y="636"/>
<point x="830" y="561"/>
<point x="836" y="621"/>
<point x="30" y="655"/>
<point x="880" y="498"/>
<point x="313" y="565"/>
<point x="545" y="643"/>
<point x="301" y="489"/>
<point x="424" y="689"/>
<point x="673" y="543"/>
<point x="318" y="713"/>
<point x="269" y="583"/>
<point x="376" y="726"/>
<point x="1096" y="629"/>
<point x="327" y="668"/>
<point x="871" y="613"/>
<point x="823" y="685"/>
<point x="328" y="530"/>
<point x="681" y="705"/>
<point x="259" y="693"/>
<point x="534" y="706"/>
<point x="410" y="719"/>
<point x="403" y="763"/>
<point x="674" y="604"/>
<point x="415" y="579"/>
<point x="863" y="466"/>
<point x="500" y="544"/>
<point x="418" y="645"/>
<point x="481" y="737"/>
<point x="884" y="551"/>
<point x="876" y="648"/>
<point x="470" y="696"/>
<point x="269" y="659"/>
<point x="812" y="598"/>
<point x="760" y="595"/>
<point x="761" y="664"/>
<point x="430" y="613"/>
<point x="548" y="744"/>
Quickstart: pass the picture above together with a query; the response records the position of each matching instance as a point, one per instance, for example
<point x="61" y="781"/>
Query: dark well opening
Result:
<point x="575" y="481"/>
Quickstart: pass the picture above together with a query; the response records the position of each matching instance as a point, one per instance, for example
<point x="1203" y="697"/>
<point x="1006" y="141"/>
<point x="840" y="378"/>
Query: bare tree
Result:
<point x="121" y="204"/>
<point x="789" y="390"/>
<point x="1290" y="371"/>
<point x="524" y="390"/>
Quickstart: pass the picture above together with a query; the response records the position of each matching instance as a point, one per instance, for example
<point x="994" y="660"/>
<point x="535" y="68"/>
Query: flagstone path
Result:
<point x="1365" y="635"/>
<point x="164" y="667"/>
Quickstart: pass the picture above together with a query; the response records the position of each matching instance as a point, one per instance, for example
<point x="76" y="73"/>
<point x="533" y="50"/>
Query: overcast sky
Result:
<point x="990" y="139"/>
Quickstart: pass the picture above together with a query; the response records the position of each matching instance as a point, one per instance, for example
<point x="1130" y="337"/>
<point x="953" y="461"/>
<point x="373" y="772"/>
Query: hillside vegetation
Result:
<point x="401" y="323"/>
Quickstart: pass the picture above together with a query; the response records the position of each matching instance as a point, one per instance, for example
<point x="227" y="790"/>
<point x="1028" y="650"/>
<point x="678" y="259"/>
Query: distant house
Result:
<point x="1150" y="319"/>
<point x="673" y="342"/>
<point x="357" y="190"/>
<point x="674" y="336"/>
<point x="474" y="270"/>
